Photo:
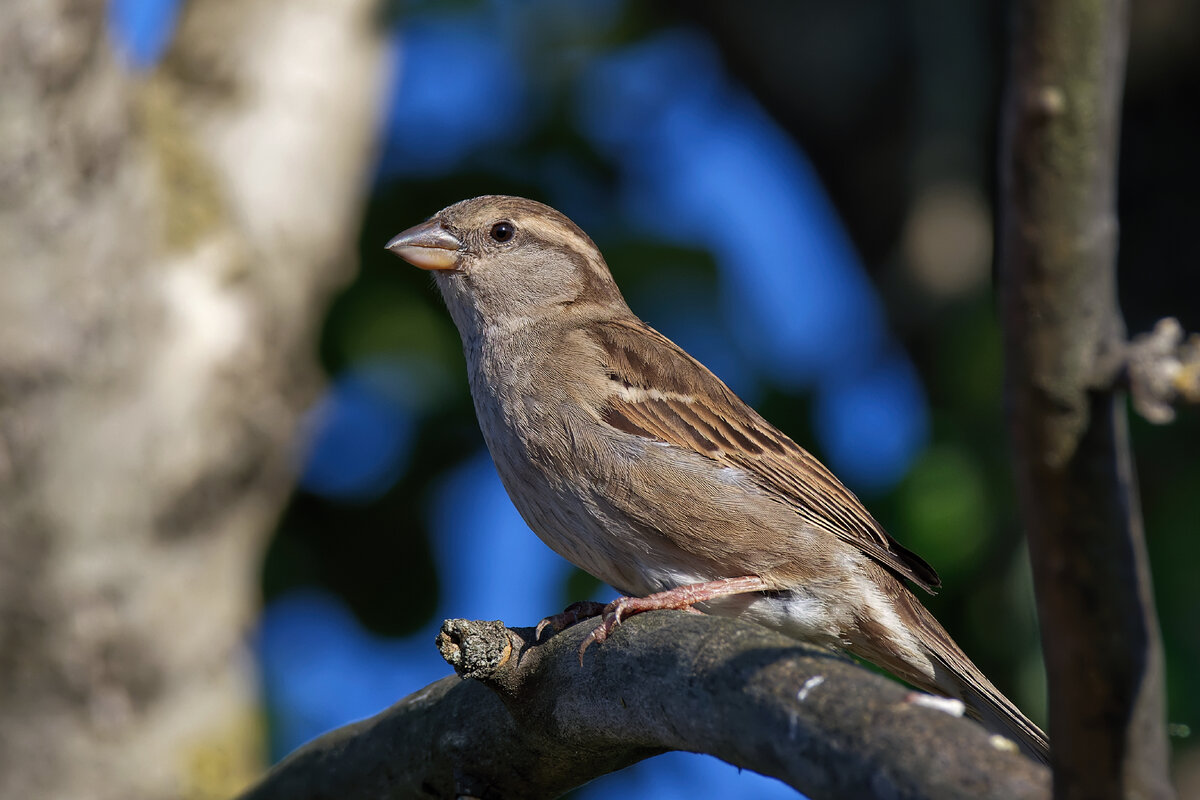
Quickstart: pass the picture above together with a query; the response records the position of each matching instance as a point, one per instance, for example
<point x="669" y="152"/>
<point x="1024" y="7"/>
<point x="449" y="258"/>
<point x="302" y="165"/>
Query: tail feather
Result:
<point x="957" y="676"/>
<point x="995" y="711"/>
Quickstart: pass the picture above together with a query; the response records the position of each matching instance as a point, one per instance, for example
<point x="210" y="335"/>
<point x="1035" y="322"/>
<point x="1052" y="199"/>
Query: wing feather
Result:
<point x="670" y="397"/>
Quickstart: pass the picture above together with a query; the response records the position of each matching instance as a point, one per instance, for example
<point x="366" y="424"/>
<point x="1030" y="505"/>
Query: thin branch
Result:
<point x="1162" y="369"/>
<point x="532" y="722"/>
<point x="1063" y="334"/>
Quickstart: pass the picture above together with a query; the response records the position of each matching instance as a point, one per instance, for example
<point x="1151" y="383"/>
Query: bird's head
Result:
<point x="499" y="258"/>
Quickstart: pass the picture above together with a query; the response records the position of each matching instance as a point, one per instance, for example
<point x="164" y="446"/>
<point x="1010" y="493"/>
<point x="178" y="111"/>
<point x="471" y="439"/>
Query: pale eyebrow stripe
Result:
<point x="564" y="234"/>
<point x="559" y="233"/>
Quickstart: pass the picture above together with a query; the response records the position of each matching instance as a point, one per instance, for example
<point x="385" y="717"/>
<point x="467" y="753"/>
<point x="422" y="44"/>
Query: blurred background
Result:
<point x="798" y="193"/>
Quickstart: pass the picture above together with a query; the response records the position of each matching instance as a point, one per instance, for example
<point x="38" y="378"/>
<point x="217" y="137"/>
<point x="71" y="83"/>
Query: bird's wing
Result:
<point x="662" y="393"/>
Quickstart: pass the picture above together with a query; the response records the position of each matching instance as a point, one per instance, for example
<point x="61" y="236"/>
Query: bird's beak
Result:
<point x="428" y="246"/>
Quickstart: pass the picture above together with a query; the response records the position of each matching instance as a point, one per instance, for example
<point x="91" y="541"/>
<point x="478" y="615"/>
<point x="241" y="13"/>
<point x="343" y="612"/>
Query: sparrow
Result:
<point x="631" y="460"/>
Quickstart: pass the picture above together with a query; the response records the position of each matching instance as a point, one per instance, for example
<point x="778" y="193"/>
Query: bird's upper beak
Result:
<point x="428" y="246"/>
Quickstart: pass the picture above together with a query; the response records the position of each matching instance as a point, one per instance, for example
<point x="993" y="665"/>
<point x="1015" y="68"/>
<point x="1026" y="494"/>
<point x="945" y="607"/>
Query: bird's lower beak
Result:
<point x="428" y="246"/>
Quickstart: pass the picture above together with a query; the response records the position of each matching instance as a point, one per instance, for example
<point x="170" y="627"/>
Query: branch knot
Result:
<point x="475" y="648"/>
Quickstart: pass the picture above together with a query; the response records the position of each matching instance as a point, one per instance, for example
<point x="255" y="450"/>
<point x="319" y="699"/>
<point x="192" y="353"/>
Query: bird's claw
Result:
<point x="613" y="613"/>
<point x="581" y="610"/>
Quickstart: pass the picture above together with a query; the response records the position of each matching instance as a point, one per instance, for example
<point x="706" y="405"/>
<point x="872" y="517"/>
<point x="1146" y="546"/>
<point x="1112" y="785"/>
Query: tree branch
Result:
<point x="1063" y="333"/>
<point x="1162" y="369"/>
<point x="531" y="722"/>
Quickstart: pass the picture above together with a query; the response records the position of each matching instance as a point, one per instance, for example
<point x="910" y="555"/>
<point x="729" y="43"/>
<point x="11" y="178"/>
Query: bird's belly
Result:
<point x="606" y="548"/>
<point x="568" y="529"/>
<point x="555" y="491"/>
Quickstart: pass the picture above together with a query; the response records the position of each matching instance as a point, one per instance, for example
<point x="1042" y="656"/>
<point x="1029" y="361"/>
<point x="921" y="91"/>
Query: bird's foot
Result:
<point x="681" y="598"/>
<point x="612" y="615"/>
<point x="581" y="610"/>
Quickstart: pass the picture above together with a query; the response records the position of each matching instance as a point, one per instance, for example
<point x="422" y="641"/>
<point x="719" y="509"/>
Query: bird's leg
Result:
<point x="681" y="597"/>
<point x="579" y="610"/>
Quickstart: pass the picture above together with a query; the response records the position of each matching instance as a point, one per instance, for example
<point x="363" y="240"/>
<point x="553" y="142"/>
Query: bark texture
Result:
<point x="529" y="721"/>
<point x="167" y="240"/>
<point x="1064" y="345"/>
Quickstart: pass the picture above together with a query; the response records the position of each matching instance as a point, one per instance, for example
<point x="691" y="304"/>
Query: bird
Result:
<point x="634" y="462"/>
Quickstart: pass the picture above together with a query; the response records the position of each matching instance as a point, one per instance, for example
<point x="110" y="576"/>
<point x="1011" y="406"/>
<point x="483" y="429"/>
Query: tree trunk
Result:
<point x="1064" y="344"/>
<point x="167" y="242"/>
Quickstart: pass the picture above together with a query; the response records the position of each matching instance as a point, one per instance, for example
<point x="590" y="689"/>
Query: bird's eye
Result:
<point x="502" y="231"/>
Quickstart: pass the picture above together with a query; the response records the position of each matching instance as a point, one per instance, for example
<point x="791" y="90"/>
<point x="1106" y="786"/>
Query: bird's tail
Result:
<point x="957" y="676"/>
<point x="998" y="714"/>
